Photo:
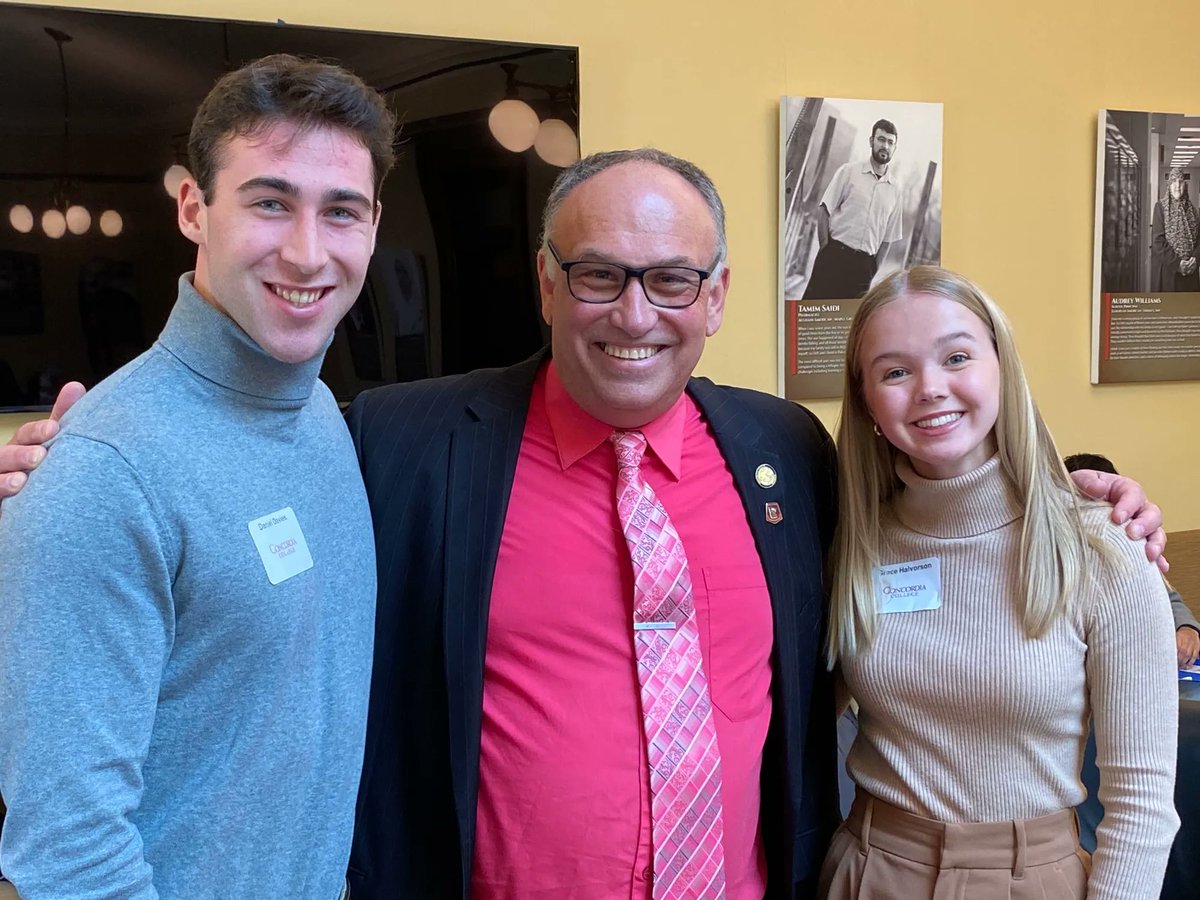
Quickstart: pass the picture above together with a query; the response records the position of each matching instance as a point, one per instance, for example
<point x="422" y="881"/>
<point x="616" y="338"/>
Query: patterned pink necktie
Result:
<point x="681" y="739"/>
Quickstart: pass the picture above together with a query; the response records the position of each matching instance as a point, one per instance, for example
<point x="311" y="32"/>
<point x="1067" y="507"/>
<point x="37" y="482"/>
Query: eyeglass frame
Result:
<point x="629" y="273"/>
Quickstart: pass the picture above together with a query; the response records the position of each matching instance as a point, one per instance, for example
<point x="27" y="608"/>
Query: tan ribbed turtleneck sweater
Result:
<point x="962" y="718"/>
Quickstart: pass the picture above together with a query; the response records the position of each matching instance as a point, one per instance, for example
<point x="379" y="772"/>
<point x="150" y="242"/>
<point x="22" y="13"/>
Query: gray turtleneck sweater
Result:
<point x="962" y="718"/>
<point x="182" y="698"/>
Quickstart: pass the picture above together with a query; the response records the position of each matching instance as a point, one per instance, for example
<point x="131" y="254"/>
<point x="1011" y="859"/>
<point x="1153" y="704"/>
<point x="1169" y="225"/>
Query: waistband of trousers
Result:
<point x="846" y="248"/>
<point x="1013" y="844"/>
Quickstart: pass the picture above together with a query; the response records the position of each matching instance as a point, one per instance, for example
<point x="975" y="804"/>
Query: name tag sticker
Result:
<point x="908" y="586"/>
<point x="281" y="545"/>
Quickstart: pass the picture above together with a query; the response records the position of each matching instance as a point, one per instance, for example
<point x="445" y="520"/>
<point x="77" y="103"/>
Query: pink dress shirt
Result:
<point x="564" y="795"/>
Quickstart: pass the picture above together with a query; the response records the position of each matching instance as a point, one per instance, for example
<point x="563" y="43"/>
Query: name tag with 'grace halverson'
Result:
<point x="908" y="586"/>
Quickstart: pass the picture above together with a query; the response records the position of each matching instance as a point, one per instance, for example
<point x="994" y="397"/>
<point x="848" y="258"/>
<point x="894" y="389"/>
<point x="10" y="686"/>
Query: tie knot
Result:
<point x="630" y="447"/>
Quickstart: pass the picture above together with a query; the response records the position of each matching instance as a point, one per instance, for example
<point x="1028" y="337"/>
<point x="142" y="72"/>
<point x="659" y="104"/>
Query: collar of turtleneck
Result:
<point x="214" y="347"/>
<point x="978" y="502"/>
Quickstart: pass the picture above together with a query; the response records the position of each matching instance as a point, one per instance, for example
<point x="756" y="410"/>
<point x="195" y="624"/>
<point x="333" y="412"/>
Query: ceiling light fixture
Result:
<point x="54" y="224"/>
<point x="111" y="223"/>
<point x="516" y="125"/>
<point x="20" y="217"/>
<point x="556" y="143"/>
<point x="513" y="124"/>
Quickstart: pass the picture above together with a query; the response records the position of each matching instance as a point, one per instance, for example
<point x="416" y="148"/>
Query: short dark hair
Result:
<point x="1077" y="461"/>
<point x="886" y="127"/>
<point x="307" y="93"/>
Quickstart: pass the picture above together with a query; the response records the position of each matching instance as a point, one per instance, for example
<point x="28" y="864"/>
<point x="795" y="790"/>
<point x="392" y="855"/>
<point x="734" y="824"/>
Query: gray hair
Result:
<point x="573" y="176"/>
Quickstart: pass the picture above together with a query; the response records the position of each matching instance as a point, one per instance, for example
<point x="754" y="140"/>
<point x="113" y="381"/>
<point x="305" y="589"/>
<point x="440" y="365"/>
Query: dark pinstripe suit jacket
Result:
<point x="438" y="458"/>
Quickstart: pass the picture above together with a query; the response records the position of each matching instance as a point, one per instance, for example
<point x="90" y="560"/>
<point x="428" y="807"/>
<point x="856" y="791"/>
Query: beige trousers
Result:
<point x="883" y="853"/>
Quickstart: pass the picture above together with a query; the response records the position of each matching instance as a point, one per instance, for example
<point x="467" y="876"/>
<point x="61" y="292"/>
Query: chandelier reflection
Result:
<point x="516" y="126"/>
<point x="64" y="214"/>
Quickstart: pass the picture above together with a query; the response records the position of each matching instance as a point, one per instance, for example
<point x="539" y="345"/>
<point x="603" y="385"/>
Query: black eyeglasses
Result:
<point x="671" y="287"/>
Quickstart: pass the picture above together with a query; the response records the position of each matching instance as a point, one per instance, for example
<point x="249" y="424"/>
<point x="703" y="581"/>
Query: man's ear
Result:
<point x="375" y="225"/>
<point x="192" y="212"/>
<point x="546" y="285"/>
<point x="715" y="305"/>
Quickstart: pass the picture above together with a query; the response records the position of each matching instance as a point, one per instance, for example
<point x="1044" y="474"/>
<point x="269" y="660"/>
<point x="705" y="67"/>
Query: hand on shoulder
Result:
<point x="24" y="451"/>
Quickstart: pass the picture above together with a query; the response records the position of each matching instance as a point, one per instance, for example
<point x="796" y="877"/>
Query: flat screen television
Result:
<point x="95" y="110"/>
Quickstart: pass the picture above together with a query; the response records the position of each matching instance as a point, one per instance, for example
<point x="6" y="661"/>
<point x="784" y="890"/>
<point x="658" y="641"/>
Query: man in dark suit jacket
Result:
<point x="440" y="459"/>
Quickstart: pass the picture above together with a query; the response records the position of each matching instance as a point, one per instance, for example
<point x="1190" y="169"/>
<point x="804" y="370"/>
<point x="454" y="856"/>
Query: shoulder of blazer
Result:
<point x="760" y="417"/>
<point x="418" y="411"/>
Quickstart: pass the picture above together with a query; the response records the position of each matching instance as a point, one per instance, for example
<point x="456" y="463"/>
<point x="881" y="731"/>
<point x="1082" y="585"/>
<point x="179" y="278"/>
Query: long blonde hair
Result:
<point x="1054" y="548"/>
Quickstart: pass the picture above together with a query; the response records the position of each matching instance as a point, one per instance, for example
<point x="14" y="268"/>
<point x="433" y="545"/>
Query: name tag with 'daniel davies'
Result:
<point x="908" y="586"/>
<point x="281" y="545"/>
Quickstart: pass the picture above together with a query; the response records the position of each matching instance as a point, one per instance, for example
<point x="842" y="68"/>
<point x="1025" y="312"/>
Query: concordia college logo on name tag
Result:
<point x="281" y="545"/>
<point x="908" y="586"/>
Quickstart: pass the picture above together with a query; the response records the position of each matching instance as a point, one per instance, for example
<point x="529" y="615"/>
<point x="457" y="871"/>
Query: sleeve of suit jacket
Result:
<point x="1183" y="615"/>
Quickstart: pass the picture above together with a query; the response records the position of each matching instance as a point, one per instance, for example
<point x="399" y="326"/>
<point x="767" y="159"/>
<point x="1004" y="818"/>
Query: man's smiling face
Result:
<point x="286" y="234"/>
<point x="628" y="361"/>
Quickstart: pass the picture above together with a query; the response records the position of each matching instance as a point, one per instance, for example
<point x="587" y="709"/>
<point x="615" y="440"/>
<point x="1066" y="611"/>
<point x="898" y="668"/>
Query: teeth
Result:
<point x="630" y="352"/>
<point x="297" y="298"/>
<point x="939" y="420"/>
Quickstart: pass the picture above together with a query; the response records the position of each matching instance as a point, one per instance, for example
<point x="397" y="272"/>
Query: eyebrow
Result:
<point x="957" y="336"/>
<point x="280" y="185"/>
<point x="288" y="189"/>
<point x="590" y="254"/>
<point x="940" y="342"/>
<point x="346" y="195"/>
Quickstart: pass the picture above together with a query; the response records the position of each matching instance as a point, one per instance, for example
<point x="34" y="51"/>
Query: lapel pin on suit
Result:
<point x="765" y="476"/>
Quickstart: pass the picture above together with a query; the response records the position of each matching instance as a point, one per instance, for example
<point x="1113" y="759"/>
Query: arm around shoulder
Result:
<point x="23" y="453"/>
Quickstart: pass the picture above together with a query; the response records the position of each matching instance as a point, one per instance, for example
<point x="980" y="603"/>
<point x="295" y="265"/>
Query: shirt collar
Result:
<point x="886" y="176"/>
<point x="577" y="433"/>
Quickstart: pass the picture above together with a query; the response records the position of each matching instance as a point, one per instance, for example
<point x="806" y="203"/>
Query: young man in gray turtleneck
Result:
<point x="188" y="582"/>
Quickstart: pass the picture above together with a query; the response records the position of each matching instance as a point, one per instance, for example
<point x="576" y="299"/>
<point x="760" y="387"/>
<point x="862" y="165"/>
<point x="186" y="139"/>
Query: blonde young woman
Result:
<point x="981" y="613"/>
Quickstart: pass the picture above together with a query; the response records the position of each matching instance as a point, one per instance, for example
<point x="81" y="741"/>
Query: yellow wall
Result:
<point x="1021" y="83"/>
